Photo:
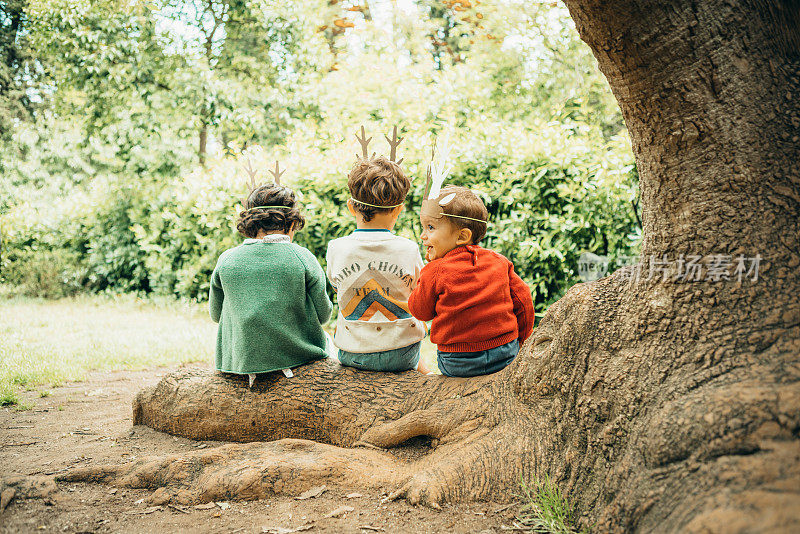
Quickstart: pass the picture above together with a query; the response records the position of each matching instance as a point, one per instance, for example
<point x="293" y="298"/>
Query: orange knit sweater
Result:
<point x="475" y="299"/>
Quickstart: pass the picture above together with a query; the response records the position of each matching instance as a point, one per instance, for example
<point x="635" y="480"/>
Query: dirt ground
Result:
<point x="89" y="423"/>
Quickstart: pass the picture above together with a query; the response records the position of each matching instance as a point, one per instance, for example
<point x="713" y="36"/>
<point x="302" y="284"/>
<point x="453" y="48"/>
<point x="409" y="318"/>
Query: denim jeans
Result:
<point x="482" y="362"/>
<point x="402" y="359"/>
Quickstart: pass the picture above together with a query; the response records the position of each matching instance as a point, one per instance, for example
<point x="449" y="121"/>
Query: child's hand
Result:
<point x="416" y="279"/>
<point x="429" y="253"/>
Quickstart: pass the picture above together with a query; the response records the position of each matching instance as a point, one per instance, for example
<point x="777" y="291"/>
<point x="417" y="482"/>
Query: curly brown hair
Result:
<point x="254" y="218"/>
<point x="467" y="204"/>
<point x="377" y="181"/>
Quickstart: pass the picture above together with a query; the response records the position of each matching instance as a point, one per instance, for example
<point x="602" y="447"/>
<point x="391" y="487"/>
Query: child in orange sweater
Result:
<point x="481" y="309"/>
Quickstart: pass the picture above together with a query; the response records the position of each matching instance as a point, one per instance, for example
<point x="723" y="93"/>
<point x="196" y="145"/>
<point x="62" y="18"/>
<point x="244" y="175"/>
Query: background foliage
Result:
<point x="123" y="126"/>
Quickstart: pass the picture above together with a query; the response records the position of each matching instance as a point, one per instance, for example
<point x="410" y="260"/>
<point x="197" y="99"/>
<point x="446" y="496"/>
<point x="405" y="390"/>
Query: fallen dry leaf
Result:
<point x="285" y="530"/>
<point x="353" y="495"/>
<point x="180" y="509"/>
<point x="206" y="506"/>
<point x="339" y="512"/>
<point x="313" y="492"/>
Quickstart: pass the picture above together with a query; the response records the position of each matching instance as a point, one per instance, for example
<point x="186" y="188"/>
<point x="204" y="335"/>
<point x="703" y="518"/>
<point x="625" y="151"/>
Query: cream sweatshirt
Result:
<point x="373" y="273"/>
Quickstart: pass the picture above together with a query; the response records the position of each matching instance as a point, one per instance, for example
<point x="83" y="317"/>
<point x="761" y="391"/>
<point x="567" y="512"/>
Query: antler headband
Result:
<point x="438" y="169"/>
<point x="252" y="184"/>
<point x="394" y="142"/>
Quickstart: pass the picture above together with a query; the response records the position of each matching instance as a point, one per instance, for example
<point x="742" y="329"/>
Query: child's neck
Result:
<point x="261" y="234"/>
<point x="377" y="223"/>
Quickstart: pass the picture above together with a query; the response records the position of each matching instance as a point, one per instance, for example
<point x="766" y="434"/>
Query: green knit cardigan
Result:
<point x="270" y="302"/>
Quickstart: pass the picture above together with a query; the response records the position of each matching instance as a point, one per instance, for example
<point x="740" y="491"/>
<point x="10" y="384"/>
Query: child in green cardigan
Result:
<point x="268" y="294"/>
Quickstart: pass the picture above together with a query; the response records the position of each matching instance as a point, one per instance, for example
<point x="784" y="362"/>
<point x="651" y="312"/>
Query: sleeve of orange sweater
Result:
<point x="523" y="304"/>
<point x="422" y="300"/>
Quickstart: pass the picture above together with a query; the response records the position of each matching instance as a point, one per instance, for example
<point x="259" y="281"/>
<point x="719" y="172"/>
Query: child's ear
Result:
<point x="400" y="209"/>
<point x="464" y="237"/>
<point x="351" y="208"/>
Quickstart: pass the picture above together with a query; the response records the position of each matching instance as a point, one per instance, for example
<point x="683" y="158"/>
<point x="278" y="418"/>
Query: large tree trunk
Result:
<point x="656" y="404"/>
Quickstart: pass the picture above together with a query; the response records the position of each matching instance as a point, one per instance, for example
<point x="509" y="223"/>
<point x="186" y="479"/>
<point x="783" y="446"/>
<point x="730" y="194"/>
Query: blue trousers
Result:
<point x="482" y="362"/>
<point x="402" y="359"/>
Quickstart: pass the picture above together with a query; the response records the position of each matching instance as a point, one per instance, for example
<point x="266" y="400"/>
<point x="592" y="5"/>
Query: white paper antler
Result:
<point x="440" y="166"/>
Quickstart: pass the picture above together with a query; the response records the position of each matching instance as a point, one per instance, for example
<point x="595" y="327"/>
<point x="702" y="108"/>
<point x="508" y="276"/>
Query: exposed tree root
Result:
<point x="26" y="487"/>
<point x="247" y="471"/>
<point x="290" y="466"/>
<point x="324" y="402"/>
<point x="446" y="421"/>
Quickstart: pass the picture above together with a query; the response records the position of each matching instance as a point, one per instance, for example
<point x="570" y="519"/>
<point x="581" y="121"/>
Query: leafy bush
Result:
<point x="44" y="273"/>
<point x="164" y="237"/>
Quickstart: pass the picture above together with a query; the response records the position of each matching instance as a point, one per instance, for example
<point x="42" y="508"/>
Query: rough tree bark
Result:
<point x="655" y="404"/>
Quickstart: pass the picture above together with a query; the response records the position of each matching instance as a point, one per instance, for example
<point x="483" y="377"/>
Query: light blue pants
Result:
<point x="402" y="359"/>
<point x="482" y="362"/>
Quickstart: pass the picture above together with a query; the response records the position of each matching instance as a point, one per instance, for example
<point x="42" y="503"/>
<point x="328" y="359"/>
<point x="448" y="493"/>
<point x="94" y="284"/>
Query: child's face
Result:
<point x="440" y="236"/>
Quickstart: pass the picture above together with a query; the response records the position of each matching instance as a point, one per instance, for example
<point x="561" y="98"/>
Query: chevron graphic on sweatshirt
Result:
<point x="363" y="306"/>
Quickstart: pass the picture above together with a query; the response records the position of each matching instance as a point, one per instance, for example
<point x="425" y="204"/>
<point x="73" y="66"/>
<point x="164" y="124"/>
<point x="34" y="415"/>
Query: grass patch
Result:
<point x="8" y="396"/>
<point x="545" y="510"/>
<point x="46" y="343"/>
